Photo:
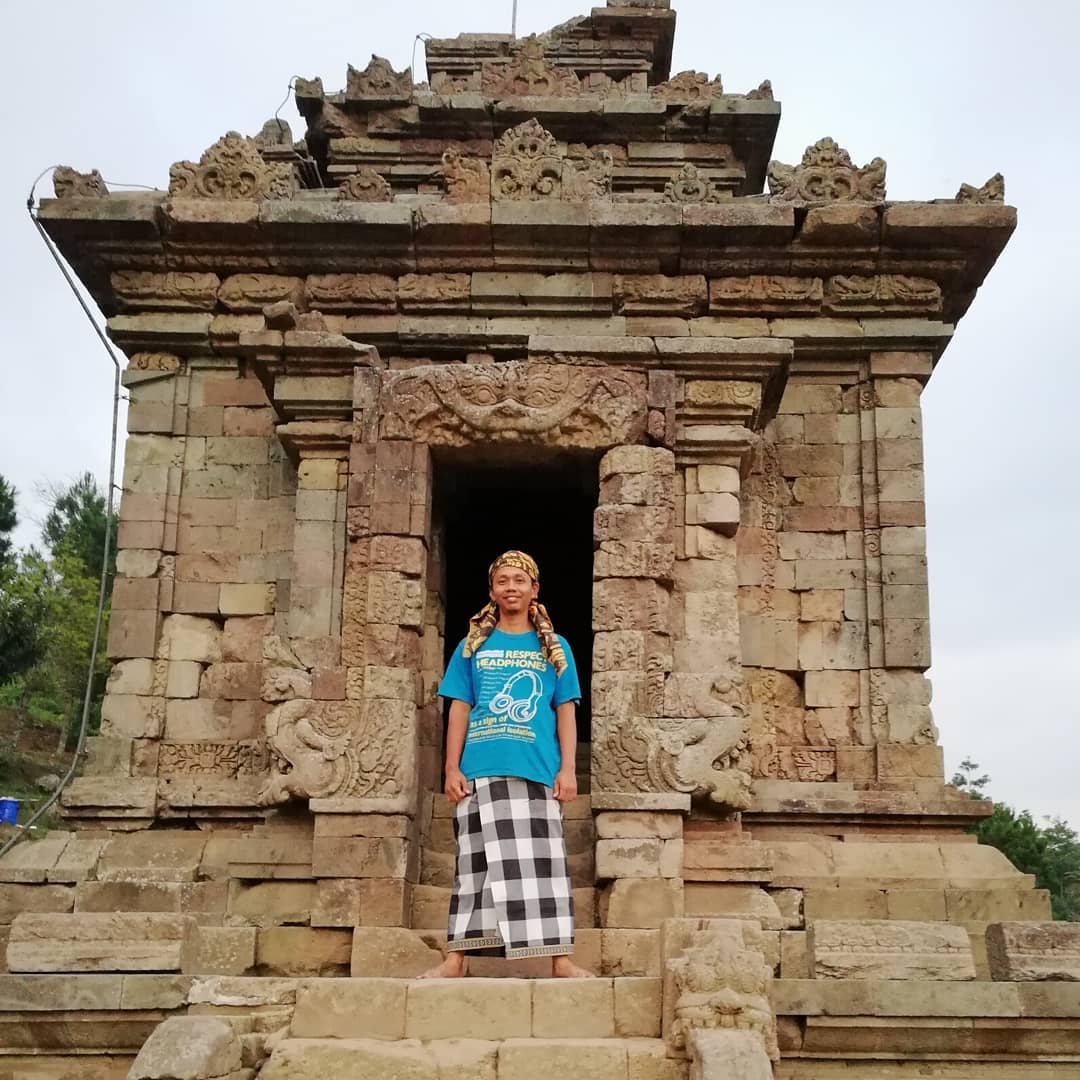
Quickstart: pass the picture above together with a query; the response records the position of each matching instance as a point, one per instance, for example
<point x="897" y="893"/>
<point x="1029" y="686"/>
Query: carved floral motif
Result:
<point x="690" y="186"/>
<point x="688" y="88"/>
<point x="723" y="981"/>
<point x="211" y="759"/>
<point x="365" y="186"/>
<point x="528" y="165"/>
<point x="173" y="289"/>
<point x="154" y="361"/>
<point x="379" y="82"/>
<point x="70" y="184"/>
<point x="232" y="169"/>
<point x="528" y="403"/>
<point x="882" y="291"/>
<point x="826" y="174"/>
<point x="468" y="179"/>
<point x="755" y="290"/>
<point x="993" y="191"/>
<point x="529" y="74"/>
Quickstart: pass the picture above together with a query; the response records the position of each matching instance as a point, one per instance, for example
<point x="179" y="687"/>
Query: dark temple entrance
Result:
<point x="543" y="509"/>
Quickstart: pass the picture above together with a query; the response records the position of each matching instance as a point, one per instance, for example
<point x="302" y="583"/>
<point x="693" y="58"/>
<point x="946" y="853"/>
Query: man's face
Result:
<point x="512" y="590"/>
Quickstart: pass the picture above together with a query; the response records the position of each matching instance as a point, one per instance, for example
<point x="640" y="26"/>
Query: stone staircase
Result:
<point x="513" y="1029"/>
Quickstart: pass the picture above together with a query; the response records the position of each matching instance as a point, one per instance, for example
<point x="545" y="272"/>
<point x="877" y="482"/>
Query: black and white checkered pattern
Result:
<point x="512" y="890"/>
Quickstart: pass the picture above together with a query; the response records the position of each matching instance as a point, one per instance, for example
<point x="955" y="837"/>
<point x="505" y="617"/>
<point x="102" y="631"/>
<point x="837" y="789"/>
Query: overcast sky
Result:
<point x="945" y="92"/>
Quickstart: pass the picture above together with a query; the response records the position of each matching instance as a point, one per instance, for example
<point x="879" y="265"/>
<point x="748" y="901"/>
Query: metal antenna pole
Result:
<point x="513" y="22"/>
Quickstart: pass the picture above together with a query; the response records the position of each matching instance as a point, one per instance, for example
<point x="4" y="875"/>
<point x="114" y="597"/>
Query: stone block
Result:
<point x="247" y="599"/>
<point x="218" y="950"/>
<point x="81" y="942"/>
<point x="895" y="949"/>
<point x="630" y="952"/>
<point x="627" y="825"/>
<point x="188" y="637"/>
<point x="103" y="897"/>
<point x="132" y="716"/>
<point x="1033" y="952"/>
<point x="391" y="952"/>
<point x="640" y="903"/>
<point x="736" y="1055"/>
<point x="133" y="634"/>
<point x="78" y="859"/>
<point x="844" y="903"/>
<point x="301" y="951"/>
<point x="647" y="1059"/>
<point x="598" y="1059"/>
<point x="16" y="898"/>
<point x="732" y="859"/>
<point x="31" y="860"/>
<point x="637" y="1007"/>
<point x="794" y="963"/>
<point x="159" y="855"/>
<point x="337" y="902"/>
<point x="360" y="857"/>
<point x="638" y="858"/>
<point x="338" y="1009"/>
<point x="726" y="901"/>
<point x="189" y="1048"/>
<point x="132" y="676"/>
<point x="575" y="1008"/>
<point x="270" y="902"/>
<point x="832" y="688"/>
<point x="469" y="1009"/>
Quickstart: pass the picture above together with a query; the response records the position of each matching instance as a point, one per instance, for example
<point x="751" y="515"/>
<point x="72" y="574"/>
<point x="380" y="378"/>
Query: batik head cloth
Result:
<point x="486" y="619"/>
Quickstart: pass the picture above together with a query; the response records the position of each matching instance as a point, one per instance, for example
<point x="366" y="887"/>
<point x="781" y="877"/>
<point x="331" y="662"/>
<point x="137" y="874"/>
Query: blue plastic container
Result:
<point x="9" y="811"/>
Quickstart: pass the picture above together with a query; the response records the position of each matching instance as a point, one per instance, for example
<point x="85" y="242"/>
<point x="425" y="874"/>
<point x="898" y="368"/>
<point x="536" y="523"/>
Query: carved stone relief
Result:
<point x="883" y="292"/>
<point x="529" y="74"/>
<point x="826" y="174"/>
<point x="379" y="82"/>
<point x="70" y="184"/>
<point x="528" y="164"/>
<point x="993" y="191"/>
<point x="173" y="289"/>
<point x="690" y="186"/>
<point x="232" y="169"/>
<point x="519" y="402"/>
<point x="468" y="179"/>
<point x="365" y="186"/>
<point x="688" y="88"/>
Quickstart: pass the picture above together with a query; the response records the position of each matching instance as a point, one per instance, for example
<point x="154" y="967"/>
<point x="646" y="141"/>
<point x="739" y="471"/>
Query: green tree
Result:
<point x="8" y="519"/>
<point x="76" y="521"/>
<point x="1050" y="851"/>
<point x="24" y="587"/>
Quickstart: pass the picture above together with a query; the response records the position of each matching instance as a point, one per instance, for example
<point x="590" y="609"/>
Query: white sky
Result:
<point x="945" y="92"/>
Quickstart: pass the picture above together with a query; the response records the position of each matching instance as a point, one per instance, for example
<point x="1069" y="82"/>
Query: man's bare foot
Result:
<point x="453" y="967"/>
<point x="562" y="967"/>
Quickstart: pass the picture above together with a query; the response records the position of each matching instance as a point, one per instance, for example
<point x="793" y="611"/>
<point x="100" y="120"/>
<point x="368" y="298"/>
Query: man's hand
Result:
<point x="457" y="787"/>
<point x="565" y="787"/>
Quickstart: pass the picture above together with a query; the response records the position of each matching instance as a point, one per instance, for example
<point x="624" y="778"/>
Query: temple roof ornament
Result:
<point x="826" y="174"/>
<point x="690" y="186"/>
<point x="763" y="93"/>
<point x="68" y="183"/>
<point x="365" y="186"/>
<point x="528" y="164"/>
<point x="379" y="82"/>
<point x="468" y="179"/>
<point x="993" y="191"/>
<point x="232" y="168"/>
<point x="529" y="74"/>
<point x="688" y="88"/>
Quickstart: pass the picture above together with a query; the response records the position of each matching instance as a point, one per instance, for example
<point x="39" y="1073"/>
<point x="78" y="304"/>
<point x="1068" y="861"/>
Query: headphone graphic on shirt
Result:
<point x="520" y="710"/>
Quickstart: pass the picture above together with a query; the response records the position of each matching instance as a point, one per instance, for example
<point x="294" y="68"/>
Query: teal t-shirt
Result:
<point x="513" y="691"/>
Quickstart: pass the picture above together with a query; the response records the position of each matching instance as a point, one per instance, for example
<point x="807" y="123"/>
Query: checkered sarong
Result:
<point x="512" y="891"/>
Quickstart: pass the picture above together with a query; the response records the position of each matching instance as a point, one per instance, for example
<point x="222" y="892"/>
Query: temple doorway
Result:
<point x="543" y="508"/>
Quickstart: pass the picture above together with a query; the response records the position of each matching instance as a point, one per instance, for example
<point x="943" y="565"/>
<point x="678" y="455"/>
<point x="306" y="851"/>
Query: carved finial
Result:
<point x="468" y="179"/>
<point x="826" y="174"/>
<point x="70" y="184"/>
<point x="526" y="164"/>
<point x="365" y="186"/>
<point x="688" y="88"/>
<point x="529" y="74"/>
<point x="309" y="89"/>
<point x="274" y="135"/>
<point x="993" y="191"/>
<point x="762" y="93"/>
<point x="379" y="82"/>
<point x="689" y="187"/>
<point x="232" y="169"/>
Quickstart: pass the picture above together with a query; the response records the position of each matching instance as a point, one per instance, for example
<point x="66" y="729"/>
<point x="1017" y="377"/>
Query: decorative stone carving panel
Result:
<point x="528" y="164"/>
<point x="365" y="186"/>
<point x="379" y="82"/>
<point x="529" y="74"/>
<point x="232" y="168"/>
<point x="515" y="403"/>
<point x="826" y="174"/>
<point x="70" y="184"/>
<point x="993" y="191"/>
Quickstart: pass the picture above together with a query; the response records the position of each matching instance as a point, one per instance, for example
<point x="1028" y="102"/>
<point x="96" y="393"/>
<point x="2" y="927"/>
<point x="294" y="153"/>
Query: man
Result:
<point x="510" y="745"/>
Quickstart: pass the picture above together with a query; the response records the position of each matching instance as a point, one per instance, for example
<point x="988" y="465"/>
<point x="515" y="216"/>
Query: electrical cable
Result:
<point x="80" y="746"/>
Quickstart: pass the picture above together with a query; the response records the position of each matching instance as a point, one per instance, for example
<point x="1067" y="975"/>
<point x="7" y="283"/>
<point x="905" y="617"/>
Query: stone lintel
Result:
<point x="645" y="801"/>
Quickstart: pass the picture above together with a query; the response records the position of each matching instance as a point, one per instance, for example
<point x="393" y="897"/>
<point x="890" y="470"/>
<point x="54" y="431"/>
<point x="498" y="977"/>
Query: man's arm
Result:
<point x="457" y="787"/>
<point x="565" y="787"/>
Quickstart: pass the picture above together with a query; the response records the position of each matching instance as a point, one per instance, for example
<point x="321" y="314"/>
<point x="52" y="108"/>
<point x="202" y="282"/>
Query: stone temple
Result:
<point x="558" y="299"/>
